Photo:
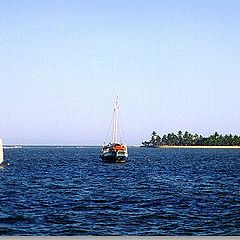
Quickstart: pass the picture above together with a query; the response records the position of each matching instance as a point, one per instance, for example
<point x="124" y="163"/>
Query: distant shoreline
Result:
<point x="171" y="146"/>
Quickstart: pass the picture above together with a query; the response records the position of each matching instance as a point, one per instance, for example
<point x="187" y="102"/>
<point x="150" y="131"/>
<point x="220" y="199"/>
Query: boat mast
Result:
<point x="115" y="121"/>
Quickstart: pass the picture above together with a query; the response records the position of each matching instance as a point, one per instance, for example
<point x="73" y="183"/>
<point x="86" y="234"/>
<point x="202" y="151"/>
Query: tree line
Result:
<point x="188" y="139"/>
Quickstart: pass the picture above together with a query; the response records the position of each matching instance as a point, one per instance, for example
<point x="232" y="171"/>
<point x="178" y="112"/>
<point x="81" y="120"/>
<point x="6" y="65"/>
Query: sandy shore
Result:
<point x="198" y="146"/>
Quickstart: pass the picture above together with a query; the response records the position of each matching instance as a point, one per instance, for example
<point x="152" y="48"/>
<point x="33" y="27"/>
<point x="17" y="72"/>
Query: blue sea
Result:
<point x="59" y="191"/>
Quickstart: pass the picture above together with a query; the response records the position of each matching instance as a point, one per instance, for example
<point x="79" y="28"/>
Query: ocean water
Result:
<point x="70" y="191"/>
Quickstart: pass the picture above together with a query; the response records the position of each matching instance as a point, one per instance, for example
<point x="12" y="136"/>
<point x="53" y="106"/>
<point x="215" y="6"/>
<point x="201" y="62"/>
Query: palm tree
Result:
<point x="164" y="140"/>
<point x="158" y="140"/>
<point x="180" y="137"/>
<point x="154" y="138"/>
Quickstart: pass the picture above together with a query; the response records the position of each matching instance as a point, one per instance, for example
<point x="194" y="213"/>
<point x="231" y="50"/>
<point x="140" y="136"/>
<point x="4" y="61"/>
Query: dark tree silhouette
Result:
<point x="188" y="139"/>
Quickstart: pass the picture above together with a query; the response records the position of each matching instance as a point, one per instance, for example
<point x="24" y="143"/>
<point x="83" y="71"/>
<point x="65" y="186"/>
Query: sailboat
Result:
<point x="115" y="151"/>
<point x="1" y="151"/>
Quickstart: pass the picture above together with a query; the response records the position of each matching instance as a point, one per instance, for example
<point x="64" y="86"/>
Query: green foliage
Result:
<point x="188" y="139"/>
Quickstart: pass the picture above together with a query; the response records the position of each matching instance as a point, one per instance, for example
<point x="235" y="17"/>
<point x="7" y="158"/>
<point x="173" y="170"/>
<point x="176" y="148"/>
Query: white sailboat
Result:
<point x="115" y="151"/>
<point x="1" y="151"/>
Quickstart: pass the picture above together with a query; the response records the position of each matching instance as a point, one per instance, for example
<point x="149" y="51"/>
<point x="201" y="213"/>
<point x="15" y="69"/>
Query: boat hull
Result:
<point x="113" y="156"/>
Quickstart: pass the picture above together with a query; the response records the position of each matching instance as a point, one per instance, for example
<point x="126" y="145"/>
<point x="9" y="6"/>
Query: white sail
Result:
<point x="1" y="151"/>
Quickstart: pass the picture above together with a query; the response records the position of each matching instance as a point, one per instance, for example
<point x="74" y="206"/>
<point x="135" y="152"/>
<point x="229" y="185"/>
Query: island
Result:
<point x="189" y="140"/>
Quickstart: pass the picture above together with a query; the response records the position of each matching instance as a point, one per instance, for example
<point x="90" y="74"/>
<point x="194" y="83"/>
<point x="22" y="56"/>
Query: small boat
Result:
<point x="115" y="151"/>
<point x="1" y="152"/>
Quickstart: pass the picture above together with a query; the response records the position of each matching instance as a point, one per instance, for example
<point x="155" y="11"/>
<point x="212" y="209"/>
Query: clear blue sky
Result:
<point x="177" y="64"/>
